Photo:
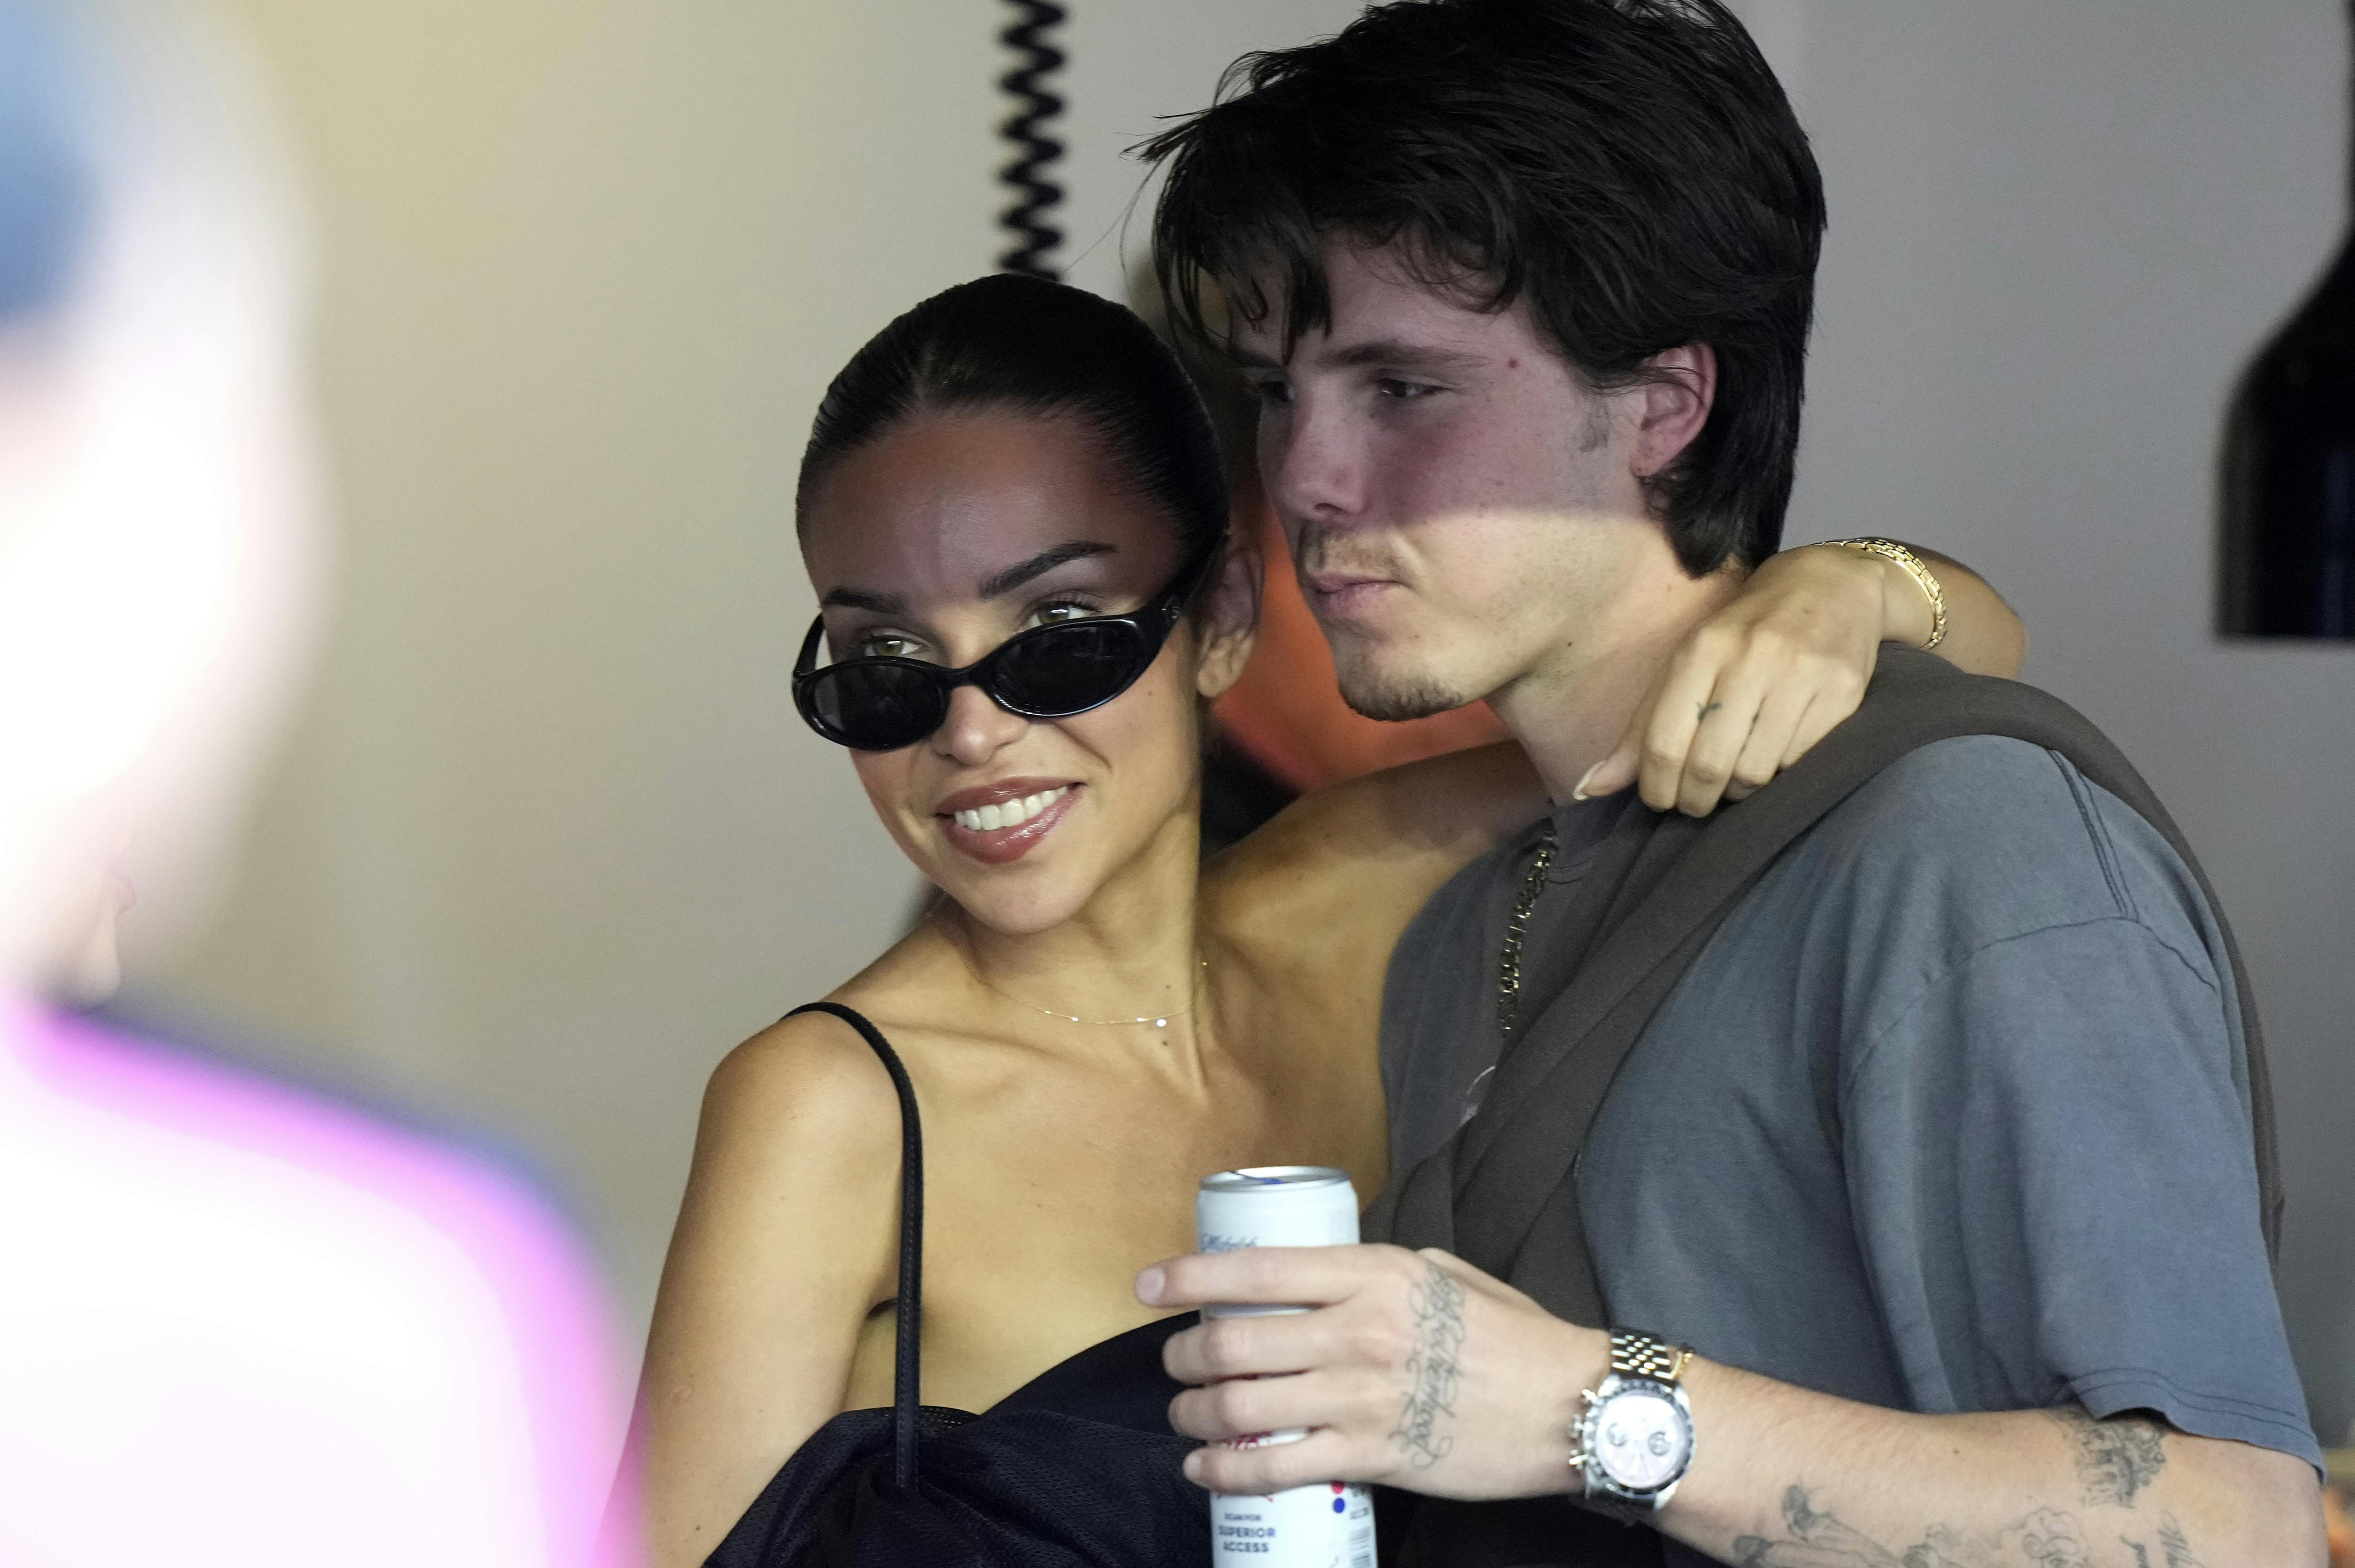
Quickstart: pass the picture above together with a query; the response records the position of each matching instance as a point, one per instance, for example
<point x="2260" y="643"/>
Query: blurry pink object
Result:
<point x="240" y="1324"/>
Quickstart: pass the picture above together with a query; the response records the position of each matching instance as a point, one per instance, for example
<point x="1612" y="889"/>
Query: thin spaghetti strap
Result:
<point x="905" y="1389"/>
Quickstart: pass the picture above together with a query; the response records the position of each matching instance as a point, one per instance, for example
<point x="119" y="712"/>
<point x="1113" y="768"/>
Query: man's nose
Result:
<point x="1313" y="465"/>
<point x="977" y="728"/>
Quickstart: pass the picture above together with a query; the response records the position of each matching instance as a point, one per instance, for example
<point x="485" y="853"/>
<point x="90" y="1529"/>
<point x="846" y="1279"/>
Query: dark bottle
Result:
<point x="2288" y="492"/>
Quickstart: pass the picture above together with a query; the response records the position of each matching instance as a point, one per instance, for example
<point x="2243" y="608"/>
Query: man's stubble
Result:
<point x="1393" y="697"/>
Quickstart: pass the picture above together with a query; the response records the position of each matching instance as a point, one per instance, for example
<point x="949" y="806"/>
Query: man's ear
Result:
<point x="1672" y="404"/>
<point x="1225" y="619"/>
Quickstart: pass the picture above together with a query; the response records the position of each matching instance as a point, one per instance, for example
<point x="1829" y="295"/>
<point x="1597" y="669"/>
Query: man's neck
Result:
<point x="1568" y="709"/>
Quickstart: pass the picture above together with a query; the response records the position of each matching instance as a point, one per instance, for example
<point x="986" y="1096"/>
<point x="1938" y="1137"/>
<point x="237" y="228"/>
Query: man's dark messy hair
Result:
<point x="1630" y="167"/>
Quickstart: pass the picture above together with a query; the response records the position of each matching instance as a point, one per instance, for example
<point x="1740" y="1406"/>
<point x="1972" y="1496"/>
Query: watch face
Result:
<point x="1641" y="1439"/>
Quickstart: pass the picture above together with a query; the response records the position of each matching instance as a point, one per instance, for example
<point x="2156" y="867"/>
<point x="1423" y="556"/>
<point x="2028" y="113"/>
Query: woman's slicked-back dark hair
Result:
<point x="1017" y="345"/>
<point x="1630" y="167"/>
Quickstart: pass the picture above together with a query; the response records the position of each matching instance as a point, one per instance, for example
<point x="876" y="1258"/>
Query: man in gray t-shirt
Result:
<point x="1939" y="1158"/>
<point x="1950" y="1115"/>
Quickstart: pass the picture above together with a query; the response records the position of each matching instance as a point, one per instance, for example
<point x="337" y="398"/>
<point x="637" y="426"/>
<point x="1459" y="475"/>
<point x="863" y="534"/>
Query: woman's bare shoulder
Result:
<point x="1367" y="844"/>
<point x="785" y="1242"/>
<point x="813" y="1079"/>
<point x="810" y="1074"/>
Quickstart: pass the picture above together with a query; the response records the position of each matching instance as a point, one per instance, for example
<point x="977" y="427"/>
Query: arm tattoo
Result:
<point x="1818" y="1538"/>
<point x="1432" y="1368"/>
<point x="2047" y="1538"/>
<point x="1818" y="1541"/>
<point x="2116" y="1457"/>
<point x="2050" y="1539"/>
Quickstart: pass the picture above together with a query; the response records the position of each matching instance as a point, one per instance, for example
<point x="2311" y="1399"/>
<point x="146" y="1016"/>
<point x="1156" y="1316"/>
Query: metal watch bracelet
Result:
<point x="1632" y="1440"/>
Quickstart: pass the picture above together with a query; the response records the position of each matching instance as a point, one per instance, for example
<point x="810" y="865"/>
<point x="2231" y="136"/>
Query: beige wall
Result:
<point x="546" y="837"/>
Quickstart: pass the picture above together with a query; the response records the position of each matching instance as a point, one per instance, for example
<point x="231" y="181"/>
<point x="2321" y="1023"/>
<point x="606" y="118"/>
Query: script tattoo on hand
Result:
<point x="1432" y="1368"/>
<point x="2116" y="1459"/>
<point x="2045" y="1539"/>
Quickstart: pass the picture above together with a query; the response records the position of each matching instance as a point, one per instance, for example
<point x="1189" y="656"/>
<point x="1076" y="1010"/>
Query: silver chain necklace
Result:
<point x="1509" y="963"/>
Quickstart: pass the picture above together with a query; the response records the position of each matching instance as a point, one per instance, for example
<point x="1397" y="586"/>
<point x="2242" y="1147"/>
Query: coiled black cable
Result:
<point x="1035" y="238"/>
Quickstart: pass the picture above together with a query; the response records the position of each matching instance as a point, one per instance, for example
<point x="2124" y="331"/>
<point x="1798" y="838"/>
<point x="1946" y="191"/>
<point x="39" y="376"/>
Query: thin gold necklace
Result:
<point x="1159" y="1020"/>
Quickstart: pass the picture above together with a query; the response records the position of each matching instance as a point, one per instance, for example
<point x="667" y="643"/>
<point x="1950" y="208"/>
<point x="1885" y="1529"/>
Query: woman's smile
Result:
<point x="999" y="823"/>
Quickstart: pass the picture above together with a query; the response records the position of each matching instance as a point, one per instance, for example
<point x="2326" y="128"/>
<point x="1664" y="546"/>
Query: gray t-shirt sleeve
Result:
<point x="2047" y="1156"/>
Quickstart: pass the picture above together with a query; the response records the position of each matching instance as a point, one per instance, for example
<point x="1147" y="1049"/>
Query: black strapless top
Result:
<point x="1077" y="1469"/>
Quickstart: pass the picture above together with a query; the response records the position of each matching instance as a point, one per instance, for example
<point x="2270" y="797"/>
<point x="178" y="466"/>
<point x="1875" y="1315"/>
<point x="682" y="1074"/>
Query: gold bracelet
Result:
<point x="1889" y="549"/>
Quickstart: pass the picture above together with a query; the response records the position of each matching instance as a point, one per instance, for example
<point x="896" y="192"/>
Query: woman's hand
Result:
<point x="1757" y="685"/>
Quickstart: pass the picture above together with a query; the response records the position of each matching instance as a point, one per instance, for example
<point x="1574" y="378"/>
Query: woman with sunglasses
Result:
<point x="1014" y="513"/>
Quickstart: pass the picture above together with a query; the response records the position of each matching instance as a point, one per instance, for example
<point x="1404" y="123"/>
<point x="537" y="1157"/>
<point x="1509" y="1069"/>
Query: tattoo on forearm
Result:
<point x="2047" y="1538"/>
<point x="1432" y="1369"/>
<point x="1819" y="1540"/>
<point x="2050" y="1539"/>
<point x="2116" y="1457"/>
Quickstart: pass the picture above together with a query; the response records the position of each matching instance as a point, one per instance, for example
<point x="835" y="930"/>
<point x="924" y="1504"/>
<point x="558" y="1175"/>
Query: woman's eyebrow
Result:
<point x="997" y="583"/>
<point x="860" y="598"/>
<point x="1039" y="564"/>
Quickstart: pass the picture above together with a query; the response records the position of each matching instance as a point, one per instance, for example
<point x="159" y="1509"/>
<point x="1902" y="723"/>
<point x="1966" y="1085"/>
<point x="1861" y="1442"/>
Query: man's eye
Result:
<point x="1056" y="614"/>
<point x="1404" y="391"/>
<point x="886" y="645"/>
<point x="1271" y="390"/>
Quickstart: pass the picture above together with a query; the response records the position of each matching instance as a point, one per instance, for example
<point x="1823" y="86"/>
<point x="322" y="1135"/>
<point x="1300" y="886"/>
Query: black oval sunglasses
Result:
<point x="1046" y="672"/>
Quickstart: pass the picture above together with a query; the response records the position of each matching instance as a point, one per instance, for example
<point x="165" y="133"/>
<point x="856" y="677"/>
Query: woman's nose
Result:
<point x="977" y="728"/>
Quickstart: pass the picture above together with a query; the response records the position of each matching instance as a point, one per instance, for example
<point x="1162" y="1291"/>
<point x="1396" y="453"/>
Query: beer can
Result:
<point x="1329" y="1525"/>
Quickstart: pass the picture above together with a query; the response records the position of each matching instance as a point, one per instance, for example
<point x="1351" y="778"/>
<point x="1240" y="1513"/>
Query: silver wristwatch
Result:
<point x="1632" y="1440"/>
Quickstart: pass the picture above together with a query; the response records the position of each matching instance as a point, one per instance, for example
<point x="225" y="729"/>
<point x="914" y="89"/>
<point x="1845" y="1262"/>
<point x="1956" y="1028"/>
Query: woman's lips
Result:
<point x="1007" y="842"/>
